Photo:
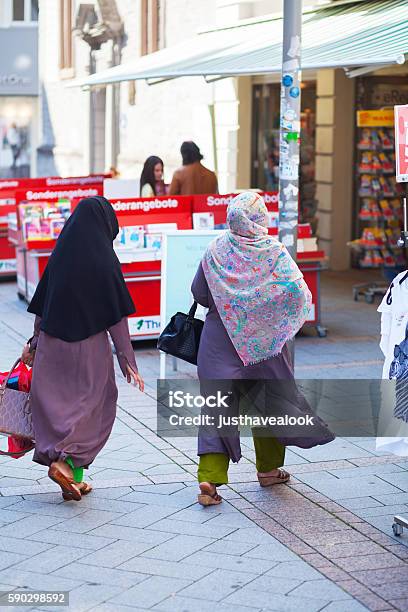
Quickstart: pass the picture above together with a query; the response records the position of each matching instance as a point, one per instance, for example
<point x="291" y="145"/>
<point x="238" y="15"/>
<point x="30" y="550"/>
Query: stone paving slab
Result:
<point x="128" y="561"/>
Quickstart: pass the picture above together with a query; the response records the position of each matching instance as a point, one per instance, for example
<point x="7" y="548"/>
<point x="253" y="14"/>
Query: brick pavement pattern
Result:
<point x="141" y="541"/>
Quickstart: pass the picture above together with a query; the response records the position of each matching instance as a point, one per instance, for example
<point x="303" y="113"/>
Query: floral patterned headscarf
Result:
<point x="258" y="289"/>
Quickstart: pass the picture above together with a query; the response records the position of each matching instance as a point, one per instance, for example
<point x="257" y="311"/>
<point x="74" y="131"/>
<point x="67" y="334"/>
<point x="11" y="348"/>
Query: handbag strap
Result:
<point x="192" y="311"/>
<point x="4" y="383"/>
<point x="15" y="454"/>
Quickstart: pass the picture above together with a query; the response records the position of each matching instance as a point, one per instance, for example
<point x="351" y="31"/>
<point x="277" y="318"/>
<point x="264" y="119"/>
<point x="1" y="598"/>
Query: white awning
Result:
<point x="365" y="34"/>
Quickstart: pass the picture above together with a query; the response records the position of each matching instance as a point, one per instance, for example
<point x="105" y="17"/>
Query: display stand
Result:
<point x="141" y="267"/>
<point x="7" y="250"/>
<point x="143" y="221"/>
<point x="311" y="264"/>
<point x="12" y="191"/>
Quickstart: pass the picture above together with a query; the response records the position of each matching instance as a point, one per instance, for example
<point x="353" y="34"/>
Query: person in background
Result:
<point x="81" y="297"/>
<point x="114" y="172"/>
<point x="192" y="178"/>
<point x="151" y="179"/>
<point x="13" y="139"/>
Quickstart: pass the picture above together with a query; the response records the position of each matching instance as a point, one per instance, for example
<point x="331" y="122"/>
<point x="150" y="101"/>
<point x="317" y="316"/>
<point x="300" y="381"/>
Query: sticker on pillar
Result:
<point x="292" y="136"/>
<point x="291" y="216"/>
<point x="284" y="149"/>
<point x="294" y="49"/>
<point x="291" y="205"/>
<point x="293" y="126"/>
<point x="290" y="65"/>
<point x="289" y="170"/>
<point x="288" y="240"/>
<point x="291" y="189"/>
<point x="287" y="80"/>
<point x="286" y="225"/>
<point x="289" y="114"/>
<point x="294" y="92"/>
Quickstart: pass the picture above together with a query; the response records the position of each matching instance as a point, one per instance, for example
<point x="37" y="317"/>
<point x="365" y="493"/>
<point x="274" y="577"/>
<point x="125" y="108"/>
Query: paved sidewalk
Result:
<point x="140" y="541"/>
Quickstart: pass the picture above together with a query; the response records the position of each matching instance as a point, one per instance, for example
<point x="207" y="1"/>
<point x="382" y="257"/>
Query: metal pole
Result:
<point x="289" y="137"/>
<point x="290" y="125"/>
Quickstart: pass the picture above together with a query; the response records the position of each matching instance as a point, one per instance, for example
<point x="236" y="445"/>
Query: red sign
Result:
<point x="35" y="194"/>
<point x="51" y="181"/>
<point x="218" y="204"/>
<point x="401" y="142"/>
<point x="177" y="204"/>
<point x="162" y="209"/>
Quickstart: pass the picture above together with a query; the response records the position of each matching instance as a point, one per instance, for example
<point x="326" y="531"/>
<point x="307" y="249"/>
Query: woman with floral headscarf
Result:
<point x="257" y="300"/>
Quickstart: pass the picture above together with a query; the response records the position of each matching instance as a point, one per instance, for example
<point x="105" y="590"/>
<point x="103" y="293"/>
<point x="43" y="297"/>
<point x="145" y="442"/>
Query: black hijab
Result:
<point x="82" y="291"/>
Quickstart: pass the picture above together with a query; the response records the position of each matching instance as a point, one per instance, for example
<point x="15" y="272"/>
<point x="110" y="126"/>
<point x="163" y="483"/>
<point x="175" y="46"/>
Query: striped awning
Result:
<point x="345" y="35"/>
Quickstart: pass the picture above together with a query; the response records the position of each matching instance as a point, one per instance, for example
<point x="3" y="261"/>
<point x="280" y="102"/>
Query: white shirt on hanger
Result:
<point x="394" y="320"/>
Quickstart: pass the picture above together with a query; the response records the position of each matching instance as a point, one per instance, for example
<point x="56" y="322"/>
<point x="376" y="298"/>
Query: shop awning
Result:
<point x="357" y="36"/>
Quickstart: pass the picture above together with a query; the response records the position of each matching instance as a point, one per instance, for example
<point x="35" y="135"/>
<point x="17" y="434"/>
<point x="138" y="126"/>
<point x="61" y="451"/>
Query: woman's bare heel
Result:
<point x="208" y="495"/>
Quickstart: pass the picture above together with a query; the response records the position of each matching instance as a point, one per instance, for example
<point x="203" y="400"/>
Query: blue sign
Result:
<point x="287" y="80"/>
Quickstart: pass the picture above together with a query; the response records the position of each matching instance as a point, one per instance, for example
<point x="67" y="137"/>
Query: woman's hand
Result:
<point x="131" y="375"/>
<point x="27" y="356"/>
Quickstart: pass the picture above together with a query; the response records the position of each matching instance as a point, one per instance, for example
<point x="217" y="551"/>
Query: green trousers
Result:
<point x="213" y="467"/>
<point x="77" y="471"/>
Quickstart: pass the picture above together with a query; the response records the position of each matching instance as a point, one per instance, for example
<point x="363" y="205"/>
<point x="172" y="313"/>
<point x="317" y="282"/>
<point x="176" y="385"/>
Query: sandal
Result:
<point x="69" y="490"/>
<point x="267" y="481"/>
<point x="208" y="495"/>
<point x="84" y="488"/>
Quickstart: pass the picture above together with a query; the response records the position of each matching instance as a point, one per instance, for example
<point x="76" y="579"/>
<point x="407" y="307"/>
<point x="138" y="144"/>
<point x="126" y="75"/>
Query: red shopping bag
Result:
<point x="19" y="380"/>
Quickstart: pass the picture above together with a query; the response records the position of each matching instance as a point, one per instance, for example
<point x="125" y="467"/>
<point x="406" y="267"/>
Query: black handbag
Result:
<point x="181" y="337"/>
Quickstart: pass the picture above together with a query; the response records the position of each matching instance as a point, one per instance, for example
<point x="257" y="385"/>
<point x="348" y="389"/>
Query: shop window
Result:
<point x="150" y="26"/>
<point x="18" y="10"/>
<point x="24" y="10"/>
<point x="34" y="10"/>
<point x="66" y="41"/>
<point x="378" y="215"/>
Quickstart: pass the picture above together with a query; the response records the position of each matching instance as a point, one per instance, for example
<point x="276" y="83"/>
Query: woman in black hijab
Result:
<point x="81" y="296"/>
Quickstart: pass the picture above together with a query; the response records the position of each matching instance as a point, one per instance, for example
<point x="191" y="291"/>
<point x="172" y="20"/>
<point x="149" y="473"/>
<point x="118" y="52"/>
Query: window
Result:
<point x="34" y="10"/>
<point x="24" y="10"/>
<point x="18" y="10"/>
<point x="66" y="46"/>
<point x="149" y="26"/>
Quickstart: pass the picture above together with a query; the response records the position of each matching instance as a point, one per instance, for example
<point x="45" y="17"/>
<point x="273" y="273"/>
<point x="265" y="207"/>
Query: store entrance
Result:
<point x="265" y="144"/>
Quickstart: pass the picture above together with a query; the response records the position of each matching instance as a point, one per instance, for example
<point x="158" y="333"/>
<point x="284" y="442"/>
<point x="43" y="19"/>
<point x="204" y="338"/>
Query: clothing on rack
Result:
<point x="392" y="425"/>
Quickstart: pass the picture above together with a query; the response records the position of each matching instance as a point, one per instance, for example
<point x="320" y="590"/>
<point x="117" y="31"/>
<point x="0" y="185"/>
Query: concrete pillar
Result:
<point x="335" y="120"/>
<point x="226" y="126"/>
<point x="244" y="88"/>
